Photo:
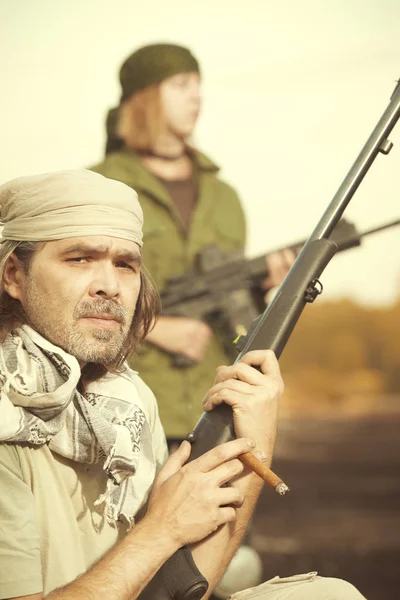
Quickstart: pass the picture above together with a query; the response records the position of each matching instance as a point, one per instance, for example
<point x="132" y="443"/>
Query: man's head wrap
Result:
<point x="152" y="64"/>
<point x="68" y="204"/>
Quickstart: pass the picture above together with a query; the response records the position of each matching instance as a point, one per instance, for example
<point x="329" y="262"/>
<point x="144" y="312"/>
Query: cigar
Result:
<point x="264" y="472"/>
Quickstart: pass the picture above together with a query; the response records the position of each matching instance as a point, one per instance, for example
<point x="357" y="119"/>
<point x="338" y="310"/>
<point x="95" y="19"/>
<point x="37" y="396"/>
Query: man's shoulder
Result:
<point x="9" y="459"/>
<point x="141" y="386"/>
<point x="150" y="406"/>
<point x="144" y="393"/>
<point x="24" y="461"/>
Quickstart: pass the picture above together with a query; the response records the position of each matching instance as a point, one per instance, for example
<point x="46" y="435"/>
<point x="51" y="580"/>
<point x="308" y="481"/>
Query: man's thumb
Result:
<point x="174" y="462"/>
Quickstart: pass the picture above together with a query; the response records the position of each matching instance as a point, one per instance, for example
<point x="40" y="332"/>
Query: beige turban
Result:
<point x="68" y="204"/>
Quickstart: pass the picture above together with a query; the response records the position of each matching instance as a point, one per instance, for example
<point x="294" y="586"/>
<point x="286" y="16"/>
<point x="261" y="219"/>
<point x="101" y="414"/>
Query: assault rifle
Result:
<point x="225" y="291"/>
<point x="179" y="578"/>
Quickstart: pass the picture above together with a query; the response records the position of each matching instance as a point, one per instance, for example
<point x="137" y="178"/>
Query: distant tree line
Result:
<point x="342" y="350"/>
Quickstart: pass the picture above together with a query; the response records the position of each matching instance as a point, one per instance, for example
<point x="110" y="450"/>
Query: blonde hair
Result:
<point x="141" y="120"/>
<point x="12" y="314"/>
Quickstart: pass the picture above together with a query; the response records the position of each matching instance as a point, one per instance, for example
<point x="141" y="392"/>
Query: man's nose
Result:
<point x="105" y="282"/>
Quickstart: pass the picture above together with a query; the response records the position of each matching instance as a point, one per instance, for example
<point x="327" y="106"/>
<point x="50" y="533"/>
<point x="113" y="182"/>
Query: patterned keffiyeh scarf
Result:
<point x="40" y="403"/>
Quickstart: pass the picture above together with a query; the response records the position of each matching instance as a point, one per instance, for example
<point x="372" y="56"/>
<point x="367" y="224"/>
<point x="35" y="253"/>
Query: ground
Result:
<point x="342" y="515"/>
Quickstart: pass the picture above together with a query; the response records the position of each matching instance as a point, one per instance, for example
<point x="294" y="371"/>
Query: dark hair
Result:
<point x="11" y="311"/>
<point x="146" y="313"/>
<point x="12" y="314"/>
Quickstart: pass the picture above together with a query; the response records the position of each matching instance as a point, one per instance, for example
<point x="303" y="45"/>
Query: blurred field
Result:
<point x="339" y="451"/>
<point x="342" y="515"/>
<point x="342" y="355"/>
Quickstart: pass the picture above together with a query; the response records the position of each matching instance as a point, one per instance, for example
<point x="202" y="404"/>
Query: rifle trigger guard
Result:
<point x="313" y="290"/>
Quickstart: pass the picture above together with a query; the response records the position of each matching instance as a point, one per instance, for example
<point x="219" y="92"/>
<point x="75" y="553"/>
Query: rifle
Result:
<point x="179" y="577"/>
<point x="224" y="290"/>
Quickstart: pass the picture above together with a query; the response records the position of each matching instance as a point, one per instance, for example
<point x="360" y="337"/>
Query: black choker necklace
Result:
<point x="162" y="156"/>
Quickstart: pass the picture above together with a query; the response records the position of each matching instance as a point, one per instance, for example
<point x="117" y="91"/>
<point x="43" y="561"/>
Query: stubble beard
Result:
<point x="99" y="346"/>
<point x="87" y="344"/>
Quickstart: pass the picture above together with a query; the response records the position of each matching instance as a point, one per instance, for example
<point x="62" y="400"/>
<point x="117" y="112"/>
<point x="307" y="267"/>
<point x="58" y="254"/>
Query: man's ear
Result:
<point x="14" y="278"/>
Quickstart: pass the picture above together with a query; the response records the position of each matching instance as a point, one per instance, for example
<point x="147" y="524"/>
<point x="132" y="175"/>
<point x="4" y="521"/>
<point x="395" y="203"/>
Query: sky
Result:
<point x="291" y="92"/>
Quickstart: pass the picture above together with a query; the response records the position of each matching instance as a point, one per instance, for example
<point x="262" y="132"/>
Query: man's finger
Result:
<point x="265" y="360"/>
<point x="221" y="454"/>
<point x="227" y="471"/>
<point x="226" y="514"/>
<point x="229" y="397"/>
<point x="235" y="385"/>
<point x="230" y="495"/>
<point x="174" y="462"/>
<point x="241" y="371"/>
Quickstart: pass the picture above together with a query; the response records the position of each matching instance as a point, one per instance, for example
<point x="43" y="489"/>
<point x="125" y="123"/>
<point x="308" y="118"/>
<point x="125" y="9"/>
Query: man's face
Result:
<point x="180" y="101"/>
<point x="81" y="293"/>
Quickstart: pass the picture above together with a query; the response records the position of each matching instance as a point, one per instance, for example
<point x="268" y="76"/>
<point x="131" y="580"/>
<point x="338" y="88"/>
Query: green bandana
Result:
<point x="152" y="64"/>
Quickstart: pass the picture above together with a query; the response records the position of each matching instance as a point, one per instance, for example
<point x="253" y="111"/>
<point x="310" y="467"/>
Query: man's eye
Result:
<point x="124" y="265"/>
<point x="78" y="259"/>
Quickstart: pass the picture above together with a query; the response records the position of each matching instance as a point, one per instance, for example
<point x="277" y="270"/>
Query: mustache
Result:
<point x="98" y="307"/>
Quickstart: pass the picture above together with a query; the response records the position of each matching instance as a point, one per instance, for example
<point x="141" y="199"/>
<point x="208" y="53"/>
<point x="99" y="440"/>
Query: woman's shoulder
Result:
<point x="117" y="165"/>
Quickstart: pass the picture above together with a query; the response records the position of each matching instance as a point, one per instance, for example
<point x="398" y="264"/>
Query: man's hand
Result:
<point x="278" y="265"/>
<point x="253" y="394"/>
<point x="188" y="501"/>
<point x="180" y="335"/>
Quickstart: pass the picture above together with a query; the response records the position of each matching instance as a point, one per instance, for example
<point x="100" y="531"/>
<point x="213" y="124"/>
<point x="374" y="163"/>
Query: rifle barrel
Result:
<point x="377" y="142"/>
<point x="380" y="228"/>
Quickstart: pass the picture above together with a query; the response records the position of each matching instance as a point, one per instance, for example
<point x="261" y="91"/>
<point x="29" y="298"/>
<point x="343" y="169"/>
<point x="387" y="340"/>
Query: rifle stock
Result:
<point x="272" y="330"/>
